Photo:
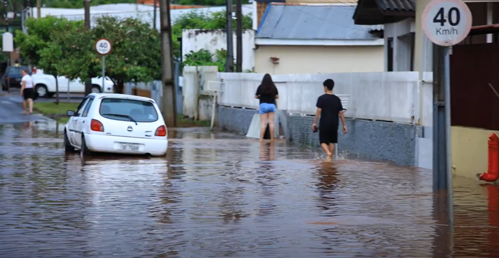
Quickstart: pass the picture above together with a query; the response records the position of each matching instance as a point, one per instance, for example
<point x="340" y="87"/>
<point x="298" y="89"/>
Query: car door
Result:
<point x="74" y="124"/>
<point x="84" y="120"/>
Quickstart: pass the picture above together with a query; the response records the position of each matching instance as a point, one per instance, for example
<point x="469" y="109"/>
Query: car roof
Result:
<point x="120" y="96"/>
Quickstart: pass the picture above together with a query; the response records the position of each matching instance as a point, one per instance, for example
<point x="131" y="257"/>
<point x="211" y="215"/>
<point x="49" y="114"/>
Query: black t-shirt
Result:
<point x="270" y="99"/>
<point x="331" y="107"/>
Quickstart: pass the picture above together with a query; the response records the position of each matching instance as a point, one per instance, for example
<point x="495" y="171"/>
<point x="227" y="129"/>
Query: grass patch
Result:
<point x="188" y="122"/>
<point x="54" y="111"/>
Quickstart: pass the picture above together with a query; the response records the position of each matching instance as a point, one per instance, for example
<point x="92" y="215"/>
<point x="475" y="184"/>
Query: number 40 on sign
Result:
<point x="446" y="22"/>
<point x="103" y="47"/>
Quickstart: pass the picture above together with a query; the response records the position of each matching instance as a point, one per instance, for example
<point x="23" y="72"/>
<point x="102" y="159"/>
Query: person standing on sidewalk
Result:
<point x="330" y="109"/>
<point x="267" y="94"/>
<point x="27" y="92"/>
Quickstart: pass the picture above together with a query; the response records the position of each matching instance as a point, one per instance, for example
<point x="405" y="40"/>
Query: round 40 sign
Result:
<point x="103" y="47"/>
<point x="446" y="22"/>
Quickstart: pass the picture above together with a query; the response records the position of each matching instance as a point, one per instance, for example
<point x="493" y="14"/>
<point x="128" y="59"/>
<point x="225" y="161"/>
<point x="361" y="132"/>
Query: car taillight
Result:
<point x="96" y="126"/>
<point x="161" y="131"/>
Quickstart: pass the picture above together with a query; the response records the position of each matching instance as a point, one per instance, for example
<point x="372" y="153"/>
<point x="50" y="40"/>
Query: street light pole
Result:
<point x="229" y="66"/>
<point x="168" y="106"/>
<point x="88" y="82"/>
<point x="38" y="9"/>
<point x="239" y="37"/>
<point x="154" y="15"/>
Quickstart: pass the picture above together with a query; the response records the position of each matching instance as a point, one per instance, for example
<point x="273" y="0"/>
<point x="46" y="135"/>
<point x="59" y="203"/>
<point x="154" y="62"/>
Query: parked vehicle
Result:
<point x="12" y="77"/>
<point x="45" y="84"/>
<point x="116" y="123"/>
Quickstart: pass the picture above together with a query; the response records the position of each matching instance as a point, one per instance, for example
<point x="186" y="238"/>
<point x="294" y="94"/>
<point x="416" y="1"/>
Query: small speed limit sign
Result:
<point x="446" y="22"/>
<point x="103" y="47"/>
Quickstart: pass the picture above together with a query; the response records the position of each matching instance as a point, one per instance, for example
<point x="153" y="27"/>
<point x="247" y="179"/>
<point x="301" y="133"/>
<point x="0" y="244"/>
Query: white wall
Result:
<point x="319" y="59"/>
<point x="196" y="80"/>
<point x="378" y="96"/>
<point x="212" y="40"/>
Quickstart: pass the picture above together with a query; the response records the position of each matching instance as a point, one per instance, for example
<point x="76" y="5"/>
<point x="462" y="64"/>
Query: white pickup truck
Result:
<point x="45" y="84"/>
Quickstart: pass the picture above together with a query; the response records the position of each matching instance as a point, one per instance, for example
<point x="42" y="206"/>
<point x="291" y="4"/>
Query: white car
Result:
<point x="116" y="123"/>
<point x="45" y="84"/>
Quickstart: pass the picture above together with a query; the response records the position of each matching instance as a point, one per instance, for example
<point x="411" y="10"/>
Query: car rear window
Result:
<point x="123" y="109"/>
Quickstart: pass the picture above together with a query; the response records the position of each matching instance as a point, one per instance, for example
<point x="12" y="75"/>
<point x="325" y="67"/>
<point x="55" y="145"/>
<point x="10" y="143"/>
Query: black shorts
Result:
<point x="28" y="93"/>
<point x="328" y="136"/>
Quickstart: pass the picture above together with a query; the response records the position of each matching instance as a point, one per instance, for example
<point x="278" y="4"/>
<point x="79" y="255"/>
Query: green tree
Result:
<point x="136" y="54"/>
<point x="40" y="35"/>
<point x="38" y="46"/>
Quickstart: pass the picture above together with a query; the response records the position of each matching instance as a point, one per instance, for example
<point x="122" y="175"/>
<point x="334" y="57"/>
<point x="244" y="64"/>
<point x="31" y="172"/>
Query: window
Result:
<point x="87" y="107"/>
<point x="389" y="57"/>
<point x="80" y="107"/>
<point x="15" y="72"/>
<point x="124" y="109"/>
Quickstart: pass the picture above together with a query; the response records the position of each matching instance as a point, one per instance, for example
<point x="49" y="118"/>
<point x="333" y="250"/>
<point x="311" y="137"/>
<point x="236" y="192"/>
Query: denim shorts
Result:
<point x="266" y="108"/>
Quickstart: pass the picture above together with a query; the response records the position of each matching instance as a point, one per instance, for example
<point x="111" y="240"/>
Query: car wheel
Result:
<point x="96" y="89"/>
<point x="42" y="91"/>
<point x="67" y="145"/>
<point x="84" y="151"/>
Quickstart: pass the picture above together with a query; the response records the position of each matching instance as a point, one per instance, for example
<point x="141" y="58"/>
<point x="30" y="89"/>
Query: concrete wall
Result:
<point x="319" y="59"/>
<point x="382" y="141"/>
<point x="197" y="99"/>
<point x="213" y="40"/>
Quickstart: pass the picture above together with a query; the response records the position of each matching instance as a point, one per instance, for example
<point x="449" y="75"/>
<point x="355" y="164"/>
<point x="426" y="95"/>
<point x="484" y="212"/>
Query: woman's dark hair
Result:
<point x="268" y="87"/>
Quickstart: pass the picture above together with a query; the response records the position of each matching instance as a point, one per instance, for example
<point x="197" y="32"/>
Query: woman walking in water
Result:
<point x="267" y="94"/>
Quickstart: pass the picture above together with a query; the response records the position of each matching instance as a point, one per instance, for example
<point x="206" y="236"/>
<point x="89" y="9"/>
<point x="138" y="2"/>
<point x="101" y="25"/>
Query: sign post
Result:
<point x="103" y="48"/>
<point x="445" y="23"/>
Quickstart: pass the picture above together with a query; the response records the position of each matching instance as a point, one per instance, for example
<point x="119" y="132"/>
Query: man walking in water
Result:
<point x="329" y="108"/>
<point x="27" y="91"/>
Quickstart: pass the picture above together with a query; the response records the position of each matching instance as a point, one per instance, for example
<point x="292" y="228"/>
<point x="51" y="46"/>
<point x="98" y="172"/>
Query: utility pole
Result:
<point x="168" y="106"/>
<point x="239" y="36"/>
<point x="229" y="66"/>
<point x="38" y="9"/>
<point x="154" y="15"/>
<point x="88" y="83"/>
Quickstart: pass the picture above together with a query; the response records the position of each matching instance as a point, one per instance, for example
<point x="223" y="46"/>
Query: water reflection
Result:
<point x="217" y="195"/>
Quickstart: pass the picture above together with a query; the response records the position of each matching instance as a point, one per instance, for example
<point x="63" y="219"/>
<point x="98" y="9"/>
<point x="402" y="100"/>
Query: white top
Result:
<point x="28" y="80"/>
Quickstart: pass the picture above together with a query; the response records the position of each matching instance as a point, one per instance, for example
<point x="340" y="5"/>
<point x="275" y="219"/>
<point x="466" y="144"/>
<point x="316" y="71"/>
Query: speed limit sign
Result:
<point x="103" y="47"/>
<point x="446" y="22"/>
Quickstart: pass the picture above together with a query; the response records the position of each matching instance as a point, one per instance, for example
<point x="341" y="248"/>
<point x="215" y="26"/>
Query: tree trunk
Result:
<point x="56" y="90"/>
<point x="119" y="87"/>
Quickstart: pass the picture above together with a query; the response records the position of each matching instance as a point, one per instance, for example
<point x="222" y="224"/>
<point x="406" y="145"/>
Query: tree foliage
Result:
<point x="203" y="57"/>
<point x="79" y="4"/>
<point x="69" y="48"/>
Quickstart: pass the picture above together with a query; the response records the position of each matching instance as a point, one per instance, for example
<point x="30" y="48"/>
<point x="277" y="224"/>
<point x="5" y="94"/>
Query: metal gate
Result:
<point x="474" y="77"/>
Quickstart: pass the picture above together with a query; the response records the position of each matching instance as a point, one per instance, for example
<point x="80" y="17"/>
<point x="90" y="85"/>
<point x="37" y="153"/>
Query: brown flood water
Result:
<point x="221" y="195"/>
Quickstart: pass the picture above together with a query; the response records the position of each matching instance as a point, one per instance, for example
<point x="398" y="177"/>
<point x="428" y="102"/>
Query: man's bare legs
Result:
<point x="263" y="125"/>
<point x="326" y="148"/>
<point x="271" y="125"/>
<point x="331" y="148"/>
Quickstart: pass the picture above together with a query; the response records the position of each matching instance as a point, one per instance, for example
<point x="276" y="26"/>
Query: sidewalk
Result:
<point x="15" y="96"/>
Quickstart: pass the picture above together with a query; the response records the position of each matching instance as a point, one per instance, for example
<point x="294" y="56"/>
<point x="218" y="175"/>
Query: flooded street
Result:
<point x="222" y="195"/>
